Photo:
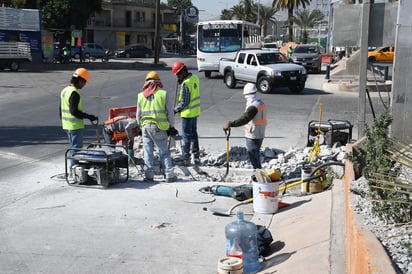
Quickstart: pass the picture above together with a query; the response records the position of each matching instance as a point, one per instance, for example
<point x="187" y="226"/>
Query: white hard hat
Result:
<point x="249" y="88"/>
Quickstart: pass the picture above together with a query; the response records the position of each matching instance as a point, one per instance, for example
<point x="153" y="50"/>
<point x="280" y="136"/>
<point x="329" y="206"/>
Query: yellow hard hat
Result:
<point x="83" y="73"/>
<point x="152" y="76"/>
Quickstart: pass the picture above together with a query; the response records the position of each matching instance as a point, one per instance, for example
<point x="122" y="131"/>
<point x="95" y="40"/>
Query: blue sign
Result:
<point x="192" y="14"/>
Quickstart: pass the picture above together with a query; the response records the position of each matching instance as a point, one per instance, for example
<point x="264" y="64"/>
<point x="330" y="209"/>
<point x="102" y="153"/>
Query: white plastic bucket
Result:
<point x="265" y="197"/>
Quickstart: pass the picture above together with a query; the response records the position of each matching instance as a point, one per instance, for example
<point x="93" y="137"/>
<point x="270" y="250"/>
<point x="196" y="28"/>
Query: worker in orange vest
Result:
<point x="121" y="128"/>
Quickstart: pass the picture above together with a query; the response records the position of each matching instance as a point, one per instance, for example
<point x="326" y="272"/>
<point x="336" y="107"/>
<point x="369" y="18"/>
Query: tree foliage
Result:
<point x="290" y="6"/>
<point x="62" y="14"/>
<point x="305" y="20"/>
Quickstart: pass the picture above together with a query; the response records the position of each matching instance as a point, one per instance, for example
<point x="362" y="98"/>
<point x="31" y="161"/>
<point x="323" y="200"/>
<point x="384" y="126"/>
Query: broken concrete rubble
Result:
<point x="289" y="163"/>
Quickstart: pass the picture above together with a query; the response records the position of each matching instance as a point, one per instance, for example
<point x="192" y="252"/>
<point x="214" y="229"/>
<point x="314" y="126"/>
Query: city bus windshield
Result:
<point x="215" y="38"/>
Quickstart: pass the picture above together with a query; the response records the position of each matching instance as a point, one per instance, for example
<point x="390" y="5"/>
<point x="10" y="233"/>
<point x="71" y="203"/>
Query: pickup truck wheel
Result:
<point x="230" y="80"/>
<point x="14" y="66"/>
<point x="208" y="74"/>
<point x="263" y="84"/>
<point x="298" y="88"/>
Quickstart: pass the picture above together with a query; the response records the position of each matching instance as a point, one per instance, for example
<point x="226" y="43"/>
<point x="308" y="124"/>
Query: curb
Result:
<point x="364" y="252"/>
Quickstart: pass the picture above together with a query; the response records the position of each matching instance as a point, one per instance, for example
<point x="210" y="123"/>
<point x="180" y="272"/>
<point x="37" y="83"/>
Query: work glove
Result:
<point x="92" y="118"/>
<point x="172" y="131"/>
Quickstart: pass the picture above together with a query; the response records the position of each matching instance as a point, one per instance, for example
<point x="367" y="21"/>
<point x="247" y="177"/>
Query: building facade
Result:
<point x="123" y="22"/>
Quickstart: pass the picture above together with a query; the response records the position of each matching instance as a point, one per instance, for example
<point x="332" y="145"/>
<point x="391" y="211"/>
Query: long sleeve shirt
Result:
<point x="73" y="103"/>
<point x="245" y="118"/>
<point x="185" y="98"/>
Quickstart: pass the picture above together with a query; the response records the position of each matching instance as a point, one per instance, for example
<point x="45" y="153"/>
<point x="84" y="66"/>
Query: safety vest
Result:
<point x="69" y="121"/>
<point x="117" y="134"/>
<point x="193" y="108"/>
<point x="114" y="120"/>
<point x="153" y="111"/>
<point x="255" y="129"/>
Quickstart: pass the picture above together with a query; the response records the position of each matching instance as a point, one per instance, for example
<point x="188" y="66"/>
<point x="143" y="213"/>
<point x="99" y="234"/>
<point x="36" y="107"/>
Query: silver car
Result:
<point x="309" y="56"/>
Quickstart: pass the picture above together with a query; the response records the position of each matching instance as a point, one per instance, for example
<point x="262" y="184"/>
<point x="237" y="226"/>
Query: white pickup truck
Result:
<point x="267" y="69"/>
<point x="12" y="54"/>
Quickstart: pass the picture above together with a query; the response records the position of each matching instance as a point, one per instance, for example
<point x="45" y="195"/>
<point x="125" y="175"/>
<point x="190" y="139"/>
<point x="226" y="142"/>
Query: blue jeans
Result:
<point x="75" y="141"/>
<point x="253" y="150"/>
<point x="190" y="138"/>
<point x="152" y="135"/>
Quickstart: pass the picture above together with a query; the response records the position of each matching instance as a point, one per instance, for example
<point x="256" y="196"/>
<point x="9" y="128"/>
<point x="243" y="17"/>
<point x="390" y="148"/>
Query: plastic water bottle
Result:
<point x="235" y="250"/>
<point x="246" y="233"/>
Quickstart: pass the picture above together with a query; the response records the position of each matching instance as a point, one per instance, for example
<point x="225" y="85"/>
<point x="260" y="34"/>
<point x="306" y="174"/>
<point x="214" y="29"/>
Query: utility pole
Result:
<point x="157" y="33"/>
<point x="363" y="66"/>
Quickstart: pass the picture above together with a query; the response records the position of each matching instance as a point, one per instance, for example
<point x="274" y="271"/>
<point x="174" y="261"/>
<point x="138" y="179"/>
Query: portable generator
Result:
<point x="332" y="132"/>
<point x="100" y="164"/>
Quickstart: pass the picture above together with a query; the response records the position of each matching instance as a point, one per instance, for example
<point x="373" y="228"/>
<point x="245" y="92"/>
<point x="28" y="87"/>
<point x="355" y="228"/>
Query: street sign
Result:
<point x="192" y="14"/>
<point x="77" y="33"/>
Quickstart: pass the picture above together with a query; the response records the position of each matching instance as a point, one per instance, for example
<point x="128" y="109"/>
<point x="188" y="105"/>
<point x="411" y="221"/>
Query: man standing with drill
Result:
<point x="156" y="119"/>
<point x="188" y="108"/>
<point x="71" y="110"/>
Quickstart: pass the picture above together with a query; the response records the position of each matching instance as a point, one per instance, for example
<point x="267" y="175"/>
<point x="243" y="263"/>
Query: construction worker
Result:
<point x="289" y="52"/>
<point x="71" y="109"/>
<point x="120" y="128"/>
<point x="156" y="119"/>
<point x="188" y="108"/>
<point x="255" y="120"/>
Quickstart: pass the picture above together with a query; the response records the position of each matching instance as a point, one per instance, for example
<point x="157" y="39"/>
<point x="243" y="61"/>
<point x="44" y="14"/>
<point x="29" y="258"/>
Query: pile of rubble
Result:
<point x="213" y="165"/>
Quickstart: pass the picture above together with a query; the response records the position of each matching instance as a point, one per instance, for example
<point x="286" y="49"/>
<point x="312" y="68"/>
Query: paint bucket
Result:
<point x="229" y="265"/>
<point x="265" y="197"/>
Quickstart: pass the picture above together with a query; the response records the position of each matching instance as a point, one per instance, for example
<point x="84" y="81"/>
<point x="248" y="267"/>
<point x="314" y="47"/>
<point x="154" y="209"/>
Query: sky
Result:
<point x="211" y="9"/>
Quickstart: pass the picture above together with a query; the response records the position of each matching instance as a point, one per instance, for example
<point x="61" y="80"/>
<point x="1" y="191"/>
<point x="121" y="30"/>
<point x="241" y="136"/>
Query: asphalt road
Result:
<point x="49" y="227"/>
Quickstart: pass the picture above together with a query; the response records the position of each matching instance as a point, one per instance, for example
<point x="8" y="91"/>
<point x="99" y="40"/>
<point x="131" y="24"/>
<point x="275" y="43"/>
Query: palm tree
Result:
<point x="305" y="20"/>
<point x="290" y="5"/>
<point x="226" y="14"/>
<point x="247" y="6"/>
<point x="238" y="12"/>
<point x="266" y="15"/>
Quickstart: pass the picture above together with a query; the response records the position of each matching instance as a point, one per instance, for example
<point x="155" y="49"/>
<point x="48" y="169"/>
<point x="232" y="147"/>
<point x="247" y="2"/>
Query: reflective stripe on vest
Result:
<point x="255" y="129"/>
<point x="262" y="120"/>
<point x="69" y="121"/>
<point x="193" y="108"/>
<point x="153" y="111"/>
<point x="114" y="120"/>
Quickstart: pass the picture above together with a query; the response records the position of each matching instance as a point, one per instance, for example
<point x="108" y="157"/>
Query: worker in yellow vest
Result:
<point x="254" y="120"/>
<point x="71" y="109"/>
<point x="156" y="119"/>
<point x="188" y="108"/>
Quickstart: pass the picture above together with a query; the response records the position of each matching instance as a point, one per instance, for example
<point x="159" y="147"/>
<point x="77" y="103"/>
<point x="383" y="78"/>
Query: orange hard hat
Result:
<point x="177" y="67"/>
<point x="83" y="73"/>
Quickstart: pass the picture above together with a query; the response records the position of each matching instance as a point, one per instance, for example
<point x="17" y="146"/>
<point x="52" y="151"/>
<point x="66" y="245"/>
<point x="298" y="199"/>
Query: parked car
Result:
<point x="133" y="51"/>
<point x="309" y="56"/>
<point x="268" y="69"/>
<point x="382" y="54"/>
<point x="270" y="46"/>
<point x="89" y="50"/>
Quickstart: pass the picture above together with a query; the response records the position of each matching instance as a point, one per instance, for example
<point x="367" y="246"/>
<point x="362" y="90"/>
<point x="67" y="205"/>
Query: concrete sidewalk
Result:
<point x="304" y="233"/>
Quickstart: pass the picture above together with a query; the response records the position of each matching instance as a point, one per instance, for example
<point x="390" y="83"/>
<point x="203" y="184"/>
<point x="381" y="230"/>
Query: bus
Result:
<point x="222" y="39"/>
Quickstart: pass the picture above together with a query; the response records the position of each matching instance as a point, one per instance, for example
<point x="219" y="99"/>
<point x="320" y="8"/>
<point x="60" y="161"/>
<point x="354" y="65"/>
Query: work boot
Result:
<point x="171" y="179"/>
<point x="187" y="162"/>
<point x="196" y="161"/>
